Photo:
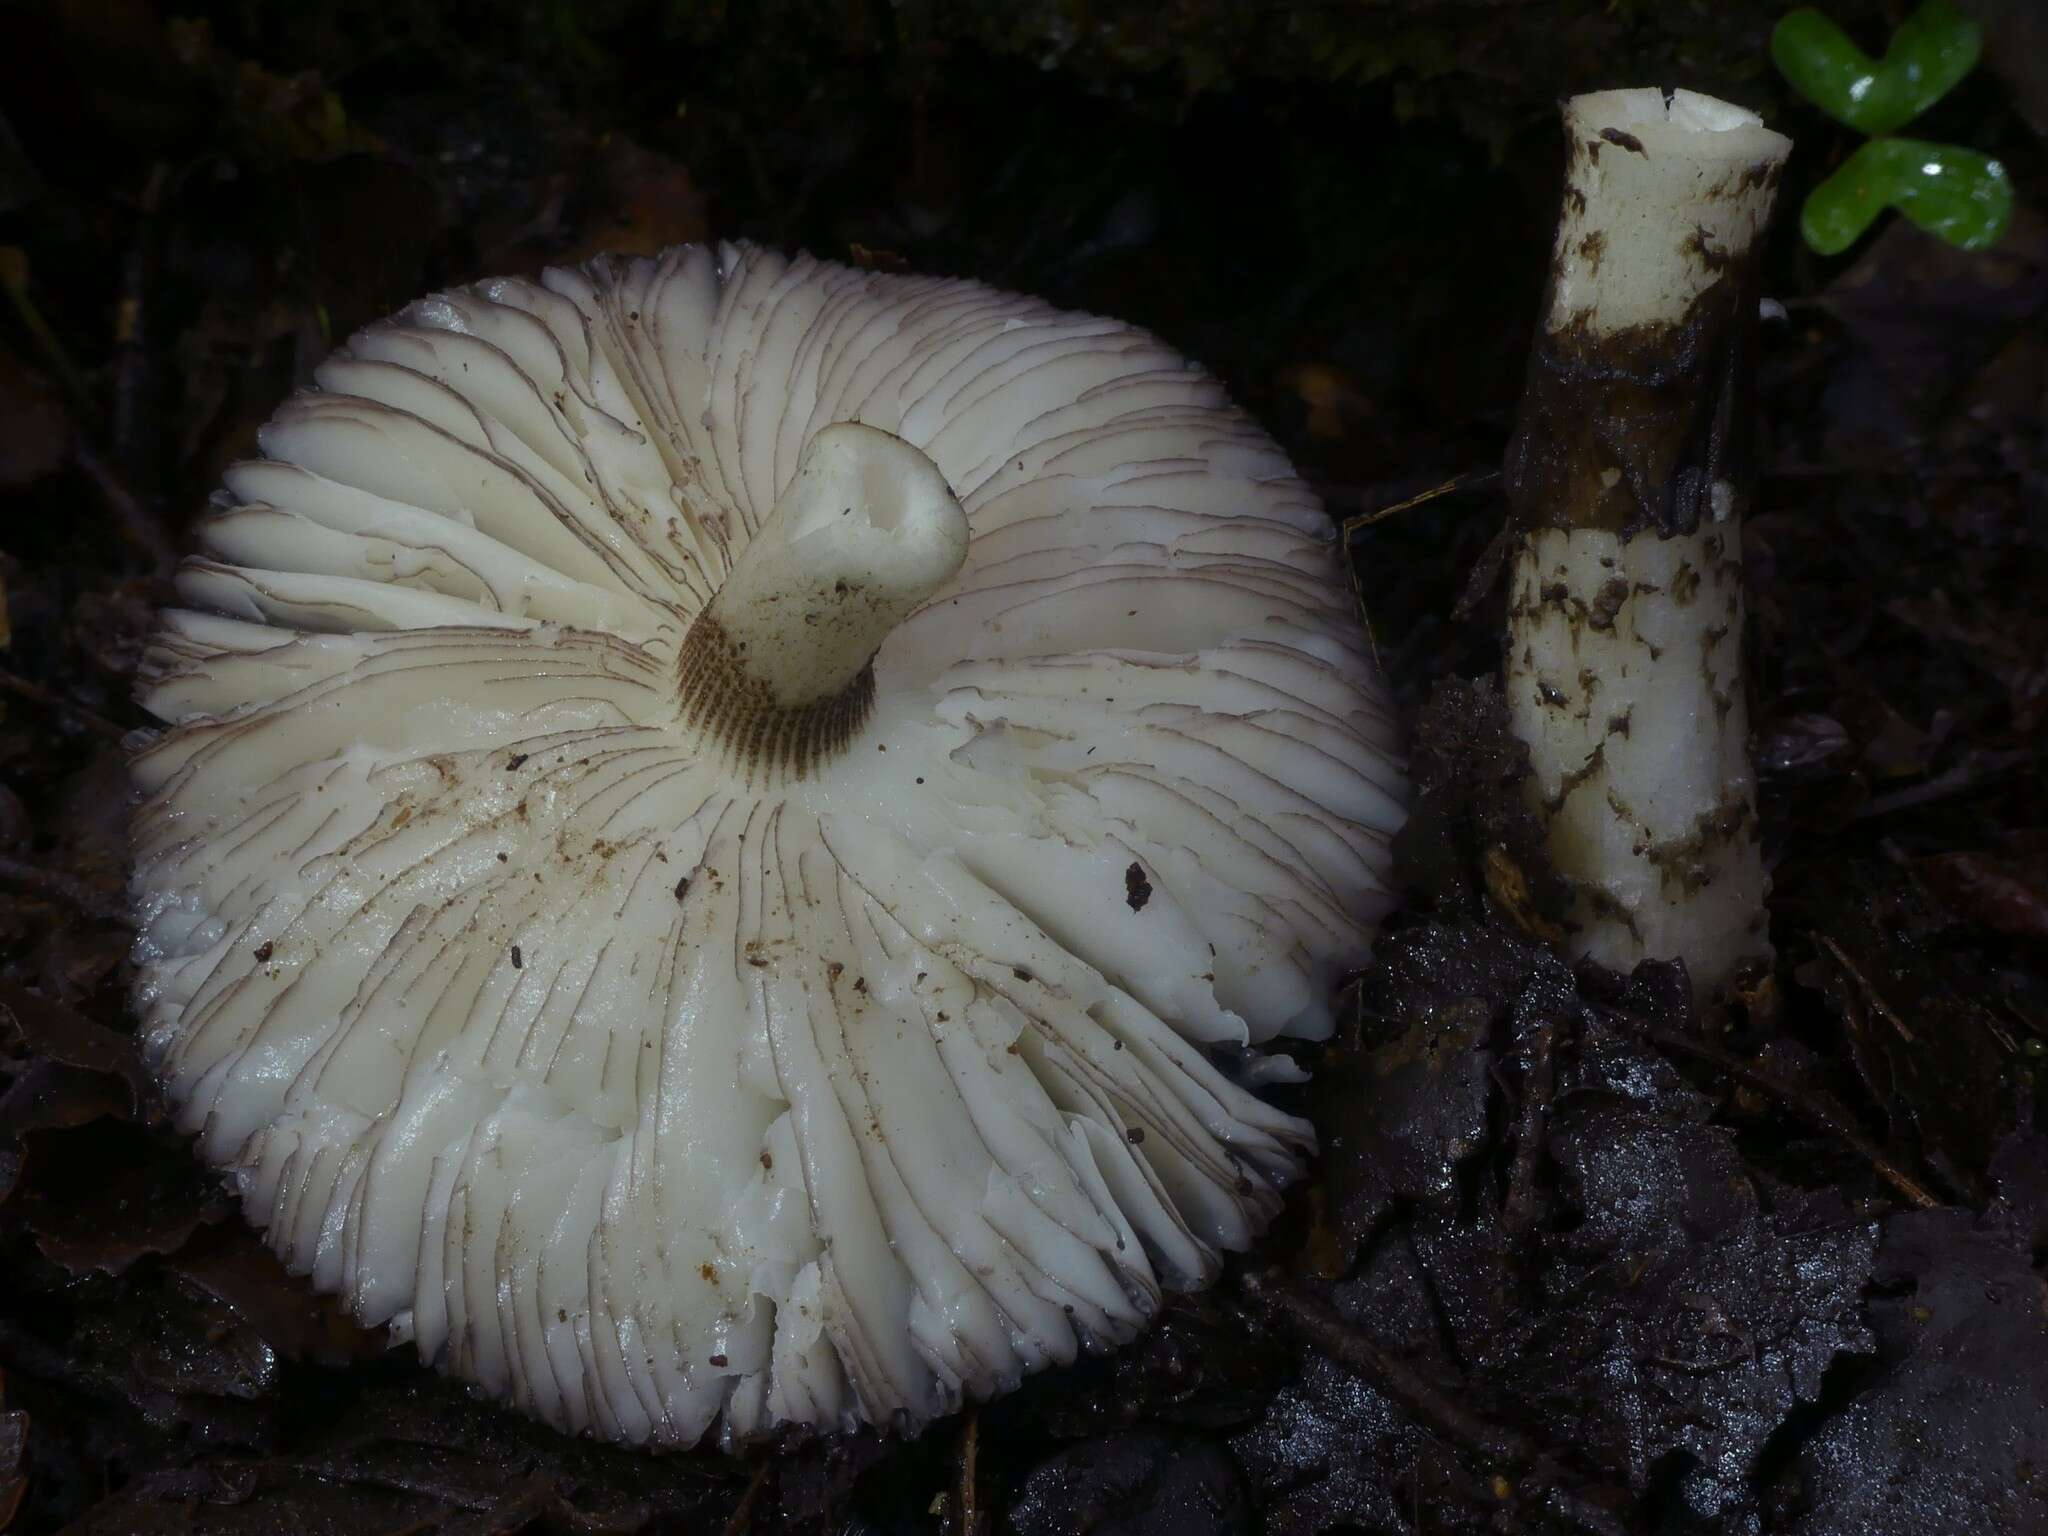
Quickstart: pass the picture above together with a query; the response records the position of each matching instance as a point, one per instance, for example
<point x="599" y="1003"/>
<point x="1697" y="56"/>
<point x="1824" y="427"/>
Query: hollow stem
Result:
<point x="1627" y="475"/>
<point x="777" y="669"/>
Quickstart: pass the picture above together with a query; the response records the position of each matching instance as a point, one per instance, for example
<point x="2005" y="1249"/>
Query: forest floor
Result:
<point x="1578" y="1256"/>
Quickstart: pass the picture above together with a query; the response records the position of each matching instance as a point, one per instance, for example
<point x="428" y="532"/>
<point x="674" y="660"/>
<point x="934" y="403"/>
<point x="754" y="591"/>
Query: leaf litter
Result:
<point x="1576" y="1257"/>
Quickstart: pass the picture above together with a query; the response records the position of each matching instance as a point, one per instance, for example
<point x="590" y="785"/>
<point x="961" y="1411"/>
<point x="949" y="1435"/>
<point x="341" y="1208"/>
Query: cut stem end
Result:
<point x="778" y="668"/>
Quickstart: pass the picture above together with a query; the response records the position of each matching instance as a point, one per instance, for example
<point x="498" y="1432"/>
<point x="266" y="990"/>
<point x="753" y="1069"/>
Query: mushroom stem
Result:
<point x="1627" y="474"/>
<point x="777" y="668"/>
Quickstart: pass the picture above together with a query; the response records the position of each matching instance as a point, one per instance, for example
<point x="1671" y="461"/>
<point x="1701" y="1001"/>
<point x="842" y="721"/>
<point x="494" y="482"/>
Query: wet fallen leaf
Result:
<point x="1508" y="885"/>
<point x="648" y="202"/>
<point x="293" y="116"/>
<point x="1468" y="811"/>
<point x="1694" y="1309"/>
<point x="50" y="1095"/>
<point x="1203" y="1365"/>
<point x="1138" y="1484"/>
<point x="1402" y="1118"/>
<point x="35" y="429"/>
<point x="371" y="223"/>
<point x="102" y="1196"/>
<point x="13" y="1458"/>
<point x="1336" y="407"/>
<point x="2016" y="50"/>
<point x="1332" y="1453"/>
<point x="417" y="1454"/>
<point x="1953" y="1434"/>
<point x="1802" y="746"/>
<point x="66" y="1037"/>
<point x="2008" y="643"/>
<point x="1940" y="1064"/>
<point x="2004" y="895"/>
<point x="1926" y="316"/>
<point x="228" y="1263"/>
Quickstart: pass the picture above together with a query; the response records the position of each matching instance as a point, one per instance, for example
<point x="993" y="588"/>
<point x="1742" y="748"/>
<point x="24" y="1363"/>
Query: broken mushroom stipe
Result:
<point x="1628" y="475"/>
<point x="729" y="832"/>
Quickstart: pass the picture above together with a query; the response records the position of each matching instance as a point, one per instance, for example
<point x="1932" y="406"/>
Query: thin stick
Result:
<point x="1430" y="1405"/>
<point x="67" y="889"/>
<point x="743" y="1512"/>
<point x="1351" y="525"/>
<point x="1518" y="1212"/>
<point x="1807" y="1106"/>
<point x="135" y="522"/>
<point x="1471" y="479"/>
<point x="133" y="412"/>
<point x="1968" y="774"/>
<point x="970" y="1473"/>
<point x="1850" y="969"/>
<point x="36" y="693"/>
<point x="14" y="277"/>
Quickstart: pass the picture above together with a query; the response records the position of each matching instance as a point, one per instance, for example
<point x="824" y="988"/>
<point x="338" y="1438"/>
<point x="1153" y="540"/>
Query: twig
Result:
<point x="68" y="889"/>
<point x="354" y="1468"/>
<point x="36" y="693"/>
<point x="431" y="1521"/>
<point x="134" y="394"/>
<point x="1518" y="1211"/>
<point x="1430" y="1405"/>
<point x="970" y="1473"/>
<point x="1362" y="1355"/>
<point x="135" y="522"/>
<point x="1351" y="525"/>
<point x="14" y="277"/>
<point x="1809" y="1106"/>
<point x="1470" y="480"/>
<point x="1967" y="774"/>
<point x="1863" y="984"/>
<point x="742" y="1519"/>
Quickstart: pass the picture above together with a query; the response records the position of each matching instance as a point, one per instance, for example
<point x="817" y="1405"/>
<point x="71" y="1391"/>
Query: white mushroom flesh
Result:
<point x="658" y="1080"/>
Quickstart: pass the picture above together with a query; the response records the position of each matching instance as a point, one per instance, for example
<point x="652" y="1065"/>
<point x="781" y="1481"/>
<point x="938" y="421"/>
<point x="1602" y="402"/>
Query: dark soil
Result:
<point x="1578" y="1256"/>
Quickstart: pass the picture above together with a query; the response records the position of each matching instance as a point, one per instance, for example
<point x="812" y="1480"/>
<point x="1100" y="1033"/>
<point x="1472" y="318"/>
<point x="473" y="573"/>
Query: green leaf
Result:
<point x="1932" y="50"/>
<point x="1962" y="196"/>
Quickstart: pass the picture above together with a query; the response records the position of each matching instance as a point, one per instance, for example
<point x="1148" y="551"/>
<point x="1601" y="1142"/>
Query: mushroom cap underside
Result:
<point x="654" y="1082"/>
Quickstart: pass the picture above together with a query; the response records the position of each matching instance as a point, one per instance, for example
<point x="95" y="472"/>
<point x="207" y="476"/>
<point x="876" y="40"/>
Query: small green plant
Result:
<point x="1959" y="194"/>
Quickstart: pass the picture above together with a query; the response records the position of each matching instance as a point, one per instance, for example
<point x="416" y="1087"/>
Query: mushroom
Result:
<point x="1628" y="478"/>
<point x="655" y="900"/>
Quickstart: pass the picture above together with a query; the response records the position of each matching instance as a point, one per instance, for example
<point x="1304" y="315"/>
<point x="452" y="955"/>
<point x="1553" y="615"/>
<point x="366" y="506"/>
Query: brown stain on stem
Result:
<point x="1630" y="430"/>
